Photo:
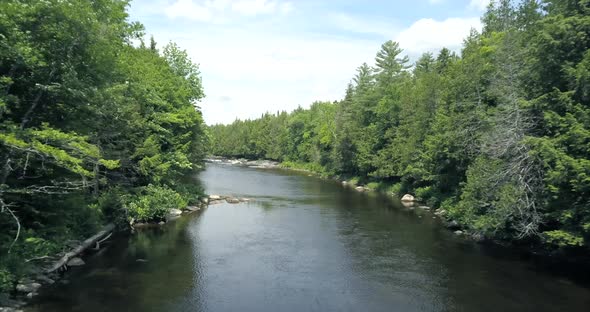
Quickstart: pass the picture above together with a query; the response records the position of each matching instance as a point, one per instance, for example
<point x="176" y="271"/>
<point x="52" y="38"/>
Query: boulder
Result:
<point x="214" y="197"/>
<point x="244" y="200"/>
<point x="440" y="212"/>
<point x="408" y="198"/>
<point x="174" y="212"/>
<point x="192" y="208"/>
<point x="204" y="200"/>
<point x="44" y="279"/>
<point x="31" y="295"/>
<point x="76" y="262"/>
<point x="28" y="288"/>
<point x="424" y="207"/>
<point x="232" y="200"/>
<point x="452" y="224"/>
<point x="458" y="232"/>
<point x="360" y="188"/>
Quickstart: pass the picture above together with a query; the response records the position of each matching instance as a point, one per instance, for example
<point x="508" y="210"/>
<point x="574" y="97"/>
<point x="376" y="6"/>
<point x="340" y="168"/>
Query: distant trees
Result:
<point x="497" y="136"/>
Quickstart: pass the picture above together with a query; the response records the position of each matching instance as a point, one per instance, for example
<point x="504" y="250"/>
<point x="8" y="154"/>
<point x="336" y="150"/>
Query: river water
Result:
<point x="306" y="244"/>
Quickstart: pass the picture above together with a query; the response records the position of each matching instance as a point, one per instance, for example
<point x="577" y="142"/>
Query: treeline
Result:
<point x="498" y="136"/>
<point x="96" y="126"/>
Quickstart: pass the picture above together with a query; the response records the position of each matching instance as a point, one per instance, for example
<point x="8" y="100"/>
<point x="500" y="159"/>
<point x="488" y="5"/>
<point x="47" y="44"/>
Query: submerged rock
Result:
<point x="408" y="198"/>
<point x="232" y="200"/>
<point x="76" y="262"/>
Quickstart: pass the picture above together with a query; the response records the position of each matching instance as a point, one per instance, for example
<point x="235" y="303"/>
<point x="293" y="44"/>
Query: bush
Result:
<point x="152" y="203"/>
<point x="6" y="281"/>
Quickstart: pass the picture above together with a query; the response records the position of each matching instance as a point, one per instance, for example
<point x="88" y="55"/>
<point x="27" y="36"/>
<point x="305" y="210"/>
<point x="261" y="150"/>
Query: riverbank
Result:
<point x="49" y="270"/>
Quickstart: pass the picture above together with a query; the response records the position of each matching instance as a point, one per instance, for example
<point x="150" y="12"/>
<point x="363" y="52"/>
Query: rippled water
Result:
<point x="306" y="244"/>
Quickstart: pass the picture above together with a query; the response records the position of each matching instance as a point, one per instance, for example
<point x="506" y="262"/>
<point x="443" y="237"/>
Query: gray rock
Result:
<point x="31" y="295"/>
<point x="408" y="198"/>
<point x="8" y="309"/>
<point x="28" y="288"/>
<point x="192" y="208"/>
<point x="174" y="212"/>
<point x="141" y="260"/>
<point x="458" y="232"/>
<point x="232" y="201"/>
<point x="76" y="262"/>
<point x="424" y="207"/>
<point x="360" y="188"/>
<point x="44" y="279"/>
<point x="214" y="197"/>
<point x="440" y="212"/>
<point x="244" y="200"/>
<point x="452" y="224"/>
<point x="204" y="200"/>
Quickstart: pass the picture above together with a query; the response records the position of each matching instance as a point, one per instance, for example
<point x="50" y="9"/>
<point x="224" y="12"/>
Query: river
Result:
<point x="306" y="244"/>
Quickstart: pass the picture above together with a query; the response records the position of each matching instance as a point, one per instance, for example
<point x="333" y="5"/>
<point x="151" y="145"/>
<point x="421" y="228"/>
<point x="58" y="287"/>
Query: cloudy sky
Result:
<point x="269" y="55"/>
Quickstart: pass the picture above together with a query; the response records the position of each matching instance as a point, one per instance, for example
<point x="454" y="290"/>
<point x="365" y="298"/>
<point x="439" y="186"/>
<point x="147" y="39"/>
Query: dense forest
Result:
<point x="96" y="126"/>
<point x="498" y="135"/>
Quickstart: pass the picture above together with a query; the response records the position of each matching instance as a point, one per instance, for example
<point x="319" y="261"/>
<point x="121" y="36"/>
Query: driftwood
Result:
<point x="78" y="250"/>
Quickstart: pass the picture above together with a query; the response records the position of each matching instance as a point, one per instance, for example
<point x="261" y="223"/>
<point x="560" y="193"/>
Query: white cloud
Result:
<point x="480" y="5"/>
<point x="218" y="10"/>
<point x="429" y="35"/>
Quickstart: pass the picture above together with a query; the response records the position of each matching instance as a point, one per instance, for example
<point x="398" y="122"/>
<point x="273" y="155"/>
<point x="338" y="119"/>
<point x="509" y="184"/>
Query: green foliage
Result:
<point x="498" y="135"/>
<point x="563" y="239"/>
<point x="152" y="203"/>
<point x="86" y="117"/>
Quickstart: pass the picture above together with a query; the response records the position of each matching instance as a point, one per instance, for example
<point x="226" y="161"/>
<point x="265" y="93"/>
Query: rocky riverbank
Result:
<point x="260" y="164"/>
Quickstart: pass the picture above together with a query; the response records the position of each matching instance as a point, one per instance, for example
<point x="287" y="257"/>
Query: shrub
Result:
<point x="152" y="203"/>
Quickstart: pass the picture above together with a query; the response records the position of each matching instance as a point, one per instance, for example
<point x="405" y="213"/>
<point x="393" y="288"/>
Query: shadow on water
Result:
<point x="307" y="244"/>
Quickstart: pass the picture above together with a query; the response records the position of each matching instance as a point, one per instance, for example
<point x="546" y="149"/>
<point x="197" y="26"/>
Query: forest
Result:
<point x="497" y="135"/>
<point x="97" y="125"/>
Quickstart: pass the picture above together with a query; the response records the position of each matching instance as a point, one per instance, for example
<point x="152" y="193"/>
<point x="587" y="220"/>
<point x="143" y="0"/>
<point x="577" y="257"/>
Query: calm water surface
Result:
<point x="306" y="244"/>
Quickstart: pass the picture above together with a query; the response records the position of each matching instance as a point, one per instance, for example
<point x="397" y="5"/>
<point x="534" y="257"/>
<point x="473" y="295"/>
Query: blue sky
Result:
<point x="269" y="55"/>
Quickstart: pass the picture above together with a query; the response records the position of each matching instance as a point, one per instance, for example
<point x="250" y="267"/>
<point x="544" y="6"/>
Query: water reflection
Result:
<point x="306" y="244"/>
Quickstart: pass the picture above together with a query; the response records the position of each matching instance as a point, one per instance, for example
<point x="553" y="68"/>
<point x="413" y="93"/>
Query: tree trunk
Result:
<point x="78" y="250"/>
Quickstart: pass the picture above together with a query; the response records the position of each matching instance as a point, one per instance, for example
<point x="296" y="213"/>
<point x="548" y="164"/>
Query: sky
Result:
<point x="259" y="56"/>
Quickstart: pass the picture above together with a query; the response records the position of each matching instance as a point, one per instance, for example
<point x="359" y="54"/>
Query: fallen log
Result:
<point x="78" y="250"/>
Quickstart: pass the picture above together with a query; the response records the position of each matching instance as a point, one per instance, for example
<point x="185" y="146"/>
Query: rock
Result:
<point x="192" y="208"/>
<point x="214" y="197"/>
<point x="244" y="200"/>
<point x="478" y="237"/>
<point x="204" y="200"/>
<point x="215" y="202"/>
<point x="360" y="188"/>
<point x="408" y="204"/>
<point x="440" y="212"/>
<point x="174" y="212"/>
<point x="76" y="262"/>
<point x="64" y="282"/>
<point x="44" y="279"/>
<point x="452" y="224"/>
<point x="141" y="260"/>
<point x="28" y="288"/>
<point x="458" y="232"/>
<point x="7" y="309"/>
<point x="232" y="201"/>
<point x="424" y="207"/>
<point x="408" y="198"/>
<point x="344" y="182"/>
<point x="31" y="295"/>
<point x="161" y="223"/>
